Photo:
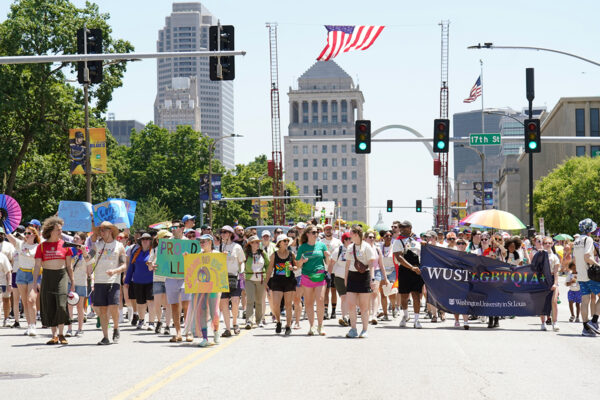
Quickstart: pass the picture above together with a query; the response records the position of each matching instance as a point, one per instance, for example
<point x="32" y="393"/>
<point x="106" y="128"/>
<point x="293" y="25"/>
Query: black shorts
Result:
<point x="282" y="284"/>
<point x="106" y="294"/>
<point x="131" y="291"/>
<point x="359" y="283"/>
<point x="409" y="281"/>
<point x="340" y="286"/>
<point x="330" y="280"/>
<point x="143" y="292"/>
<point x="234" y="288"/>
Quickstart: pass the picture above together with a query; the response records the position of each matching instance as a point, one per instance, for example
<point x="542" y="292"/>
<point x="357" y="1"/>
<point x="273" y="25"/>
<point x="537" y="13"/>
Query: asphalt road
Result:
<point x="439" y="361"/>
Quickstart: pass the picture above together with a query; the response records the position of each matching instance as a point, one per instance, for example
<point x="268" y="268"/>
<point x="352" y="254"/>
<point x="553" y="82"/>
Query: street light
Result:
<point x="211" y="150"/>
<point x="489" y="45"/>
<point x="482" y="156"/>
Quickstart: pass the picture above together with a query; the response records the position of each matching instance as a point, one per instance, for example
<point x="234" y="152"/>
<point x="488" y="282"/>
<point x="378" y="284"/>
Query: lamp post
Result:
<point x="211" y="150"/>
<point x="482" y="156"/>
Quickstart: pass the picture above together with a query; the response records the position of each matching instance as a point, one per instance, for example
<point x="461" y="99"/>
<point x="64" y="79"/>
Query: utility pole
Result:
<point x="530" y="96"/>
<point x="88" y="151"/>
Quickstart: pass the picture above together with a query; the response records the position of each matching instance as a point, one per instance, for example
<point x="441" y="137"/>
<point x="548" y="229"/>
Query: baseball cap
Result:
<point x="282" y="237"/>
<point x="206" y="236"/>
<point x="34" y="222"/>
<point x="227" y="228"/>
<point x="301" y="225"/>
<point x="345" y="236"/>
<point x="327" y="226"/>
<point x="265" y="233"/>
<point x="187" y="217"/>
<point x="205" y="227"/>
<point x="405" y="223"/>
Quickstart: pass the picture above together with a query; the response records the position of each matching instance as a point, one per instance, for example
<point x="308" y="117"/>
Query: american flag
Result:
<point x="347" y="38"/>
<point x="475" y="92"/>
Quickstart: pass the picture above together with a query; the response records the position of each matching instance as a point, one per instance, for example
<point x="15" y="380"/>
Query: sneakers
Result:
<point x="158" y="326"/>
<point x="16" y="325"/>
<point x="466" y="326"/>
<point x="121" y="319"/>
<point x="32" y="331"/>
<point x="363" y="335"/>
<point x="278" y="328"/>
<point x="5" y="323"/>
<point x="79" y="333"/>
<point x="332" y="314"/>
<point x="571" y="318"/>
<point x="548" y="321"/>
<point x="104" y="342"/>
<point x="320" y="331"/>
<point x="288" y="331"/>
<point x="150" y="326"/>
<point x="352" y="333"/>
<point x="588" y="332"/>
<point x="593" y="327"/>
<point x="140" y="324"/>
<point x="203" y="343"/>
<point x="555" y="327"/>
<point x="543" y="327"/>
<point x="373" y="321"/>
<point x="417" y="324"/>
<point x="577" y="320"/>
<point x="313" y="331"/>
<point x="227" y="333"/>
<point x="385" y="318"/>
<point x="456" y="324"/>
<point x="26" y="333"/>
<point x="69" y="333"/>
<point x="403" y="322"/>
<point x="343" y="322"/>
<point x="217" y="338"/>
<point x="116" y="336"/>
<point x="248" y="326"/>
<point x="261" y="325"/>
<point x="325" y="316"/>
<point x="167" y="331"/>
<point x="135" y="319"/>
<point x="394" y="313"/>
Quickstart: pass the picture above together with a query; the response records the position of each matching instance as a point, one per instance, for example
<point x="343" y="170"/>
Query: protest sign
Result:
<point x="130" y="206"/>
<point x="113" y="211"/>
<point x="76" y="214"/>
<point x="206" y="273"/>
<point x="169" y="256"/>
<point x="463" y="283"/>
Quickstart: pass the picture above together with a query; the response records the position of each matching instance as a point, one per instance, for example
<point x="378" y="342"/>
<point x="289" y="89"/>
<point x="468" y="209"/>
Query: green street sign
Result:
<point x="483" y="139"/>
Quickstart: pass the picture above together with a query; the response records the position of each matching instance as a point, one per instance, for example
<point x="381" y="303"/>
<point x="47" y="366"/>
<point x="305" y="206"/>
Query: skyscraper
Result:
<point x="319" y="150"/>
<point x="186" y="29"/>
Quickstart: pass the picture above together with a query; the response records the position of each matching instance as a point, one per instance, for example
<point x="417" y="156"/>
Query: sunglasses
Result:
<point x="548" y="243"/>
<point x="451" y="239"/>
<point x="312" y="232"/>
<point x="387" y="236"/>
<point x="175" y="227"/>
<point x="370" y="237"/>
<point x="461" y="244"/>
<point x="28" y="233"/>
<point x="208" y="229"/>
<point x="191" y="235"/>
<point x="485" y="239"/>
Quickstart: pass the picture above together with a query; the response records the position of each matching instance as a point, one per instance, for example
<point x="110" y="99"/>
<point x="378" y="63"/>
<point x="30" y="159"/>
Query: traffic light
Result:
<point x="362" y="136"/>
<point x="390" y="205"/>
<point x="94" y="46"/>
<point x="287" y="194"/>
<point x="441" y="135"/>
<point x="319" y="194"/>
<point x="532" y="136"/>
<point x="226" y="72"/>
<point x="419" y="206"/>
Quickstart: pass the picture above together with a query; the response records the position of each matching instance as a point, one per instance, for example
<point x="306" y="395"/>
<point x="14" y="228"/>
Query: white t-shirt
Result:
<point x="365" y="253"/>
<point x="8" y="250"/>
<point x="152" y="259"/>
<point x="258" y="264"/>
<point x="25" y="254"/>
<point x="581" y="246"/>
<point x="332" y="244"/>
<point x="4" y="268"/>
<point x="403" y="245"/>
<point x="235" y="257"/>
<point x="554" y="262"/>
<point x="107" y="257"/>
<point x="573" y="287"/>
<point x="339" y="268"/>
<point x="80" y="270"/>
<point x="388" y="258"/>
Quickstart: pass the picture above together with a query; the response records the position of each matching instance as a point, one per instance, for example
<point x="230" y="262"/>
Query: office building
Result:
<point x="121" y="129"/>
<point x="319" y="148"/>
<point x="186" y="29"/>
<point x="180" y="105"/>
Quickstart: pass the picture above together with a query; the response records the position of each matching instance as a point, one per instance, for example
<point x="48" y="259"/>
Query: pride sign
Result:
<point x="206" y="273"/>
<point x="169" y="256"/>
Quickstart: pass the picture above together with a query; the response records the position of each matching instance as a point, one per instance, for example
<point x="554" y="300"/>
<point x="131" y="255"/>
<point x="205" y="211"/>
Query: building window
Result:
<point x="305" y="176"/>
<point x="296" y="163"/>
<point x="304" y="149"/>
<point x="324" y="132"/>
<point x="354" y="162"/>
<point x="324" y="149"/>
<point x="324" y="112"/>
<point x="315" y="149"/>
<point x="305" y="163"/>
<point x="594" y="122"/>
<point x="334" y="148"/>
<point x="352" y="148"/>
<point x="334" y="107"/>
<point x="305" y="112"/>
<point x="315" y="176"/>
<point x="334" y="120"/>
<point x="305" y="189"/>
<point x="325" y="189"/>
<point x="344" y="188"/>
<point x="334" y="162"/>
<point x="334" y="175"/>
<point x="295" y="149"/>
<point x="296" y="176"/>
<point x="579" y="122"/>
<point x="580" y="151"/>
<point x="595" y="151"/>
<point x="344" y="175"/>
<point x="295" y="112"/>
<point x="345" y="215"/>
<point x="314" y="133"/>
<point x="324" y="162"/>
<point x="354" y="202"/>
<point x="315" y="112"/>
<point x="354" y="174"/>
<point x="344" y="162"/>
<point x="334" y="188"/>
<point x="334" y="129"/>
<point x="344" y="148"/>
<point x="304" y="133"/>
<point x="343" y="132"/>
<point x="315" y="162"/>
<point x="354" y="215"/>
<point x="324" y="176"/>
<point x="354" y="189"/>
<point x="345" y="202"/>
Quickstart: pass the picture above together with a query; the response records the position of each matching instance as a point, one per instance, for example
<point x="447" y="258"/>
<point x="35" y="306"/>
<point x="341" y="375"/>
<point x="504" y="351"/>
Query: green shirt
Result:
<point x="316" y="260"/>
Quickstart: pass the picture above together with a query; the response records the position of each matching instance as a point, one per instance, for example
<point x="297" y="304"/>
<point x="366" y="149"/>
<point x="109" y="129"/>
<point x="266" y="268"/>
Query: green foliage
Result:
<point x="570" y="193"/>
<point x="365" y="227"/>
<point x="150" y="211"/>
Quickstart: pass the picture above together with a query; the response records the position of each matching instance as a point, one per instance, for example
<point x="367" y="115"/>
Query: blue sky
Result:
<point x="399" y="75"/>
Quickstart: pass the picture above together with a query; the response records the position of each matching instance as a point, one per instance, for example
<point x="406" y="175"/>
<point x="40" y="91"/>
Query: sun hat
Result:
<point x="113" y="228"/>
<point x="281" y="238"/>
<point x="206" y="236"/>
<point x="164" y="234"/>
<point x="227" y="228"/>
<point x="253" y="238"/>
<point x="587" y="225"/>
<point x="265" y="233"/>
<point x="146" y="236"/>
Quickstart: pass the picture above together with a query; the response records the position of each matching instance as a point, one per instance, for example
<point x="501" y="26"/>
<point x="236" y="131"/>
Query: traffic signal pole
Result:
<point x="88" y="149"/>
<point x="530" y="96"/>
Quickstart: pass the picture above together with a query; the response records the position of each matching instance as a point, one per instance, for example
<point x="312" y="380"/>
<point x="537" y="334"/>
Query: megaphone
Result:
<point x="73" y="298"/>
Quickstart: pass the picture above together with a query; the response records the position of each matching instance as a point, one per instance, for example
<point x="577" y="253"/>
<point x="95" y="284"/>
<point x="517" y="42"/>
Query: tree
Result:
<point x="150" y="211"/>
<point x="38" y="106"/>
<point x="568" y="194"/>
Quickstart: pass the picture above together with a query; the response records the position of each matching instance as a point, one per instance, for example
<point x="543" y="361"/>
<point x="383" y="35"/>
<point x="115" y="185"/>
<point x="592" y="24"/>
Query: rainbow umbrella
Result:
<point x="161" y="225"/>
<point x="10" y="213"/>
<point x="496" y="219"/>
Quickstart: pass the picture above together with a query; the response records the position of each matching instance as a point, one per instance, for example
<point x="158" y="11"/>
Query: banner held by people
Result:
<point x="206" y="273"/>
<point x="464" y="283"/>
<point x="169" y="256"/>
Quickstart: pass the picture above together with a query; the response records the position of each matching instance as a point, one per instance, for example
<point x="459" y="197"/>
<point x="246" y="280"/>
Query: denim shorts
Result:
<point x="378" y="275"/>
<point x="589" y="287"/>
<point x="175" y="291"/>
<point x="158" y="288"/>
<point x="24" y="277"/>
<point x="80" y="290"/>
<point x="392" y="276"/>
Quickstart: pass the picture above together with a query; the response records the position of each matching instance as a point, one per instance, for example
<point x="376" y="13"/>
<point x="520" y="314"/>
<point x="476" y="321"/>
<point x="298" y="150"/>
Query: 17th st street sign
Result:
<point x="482" y="139"/>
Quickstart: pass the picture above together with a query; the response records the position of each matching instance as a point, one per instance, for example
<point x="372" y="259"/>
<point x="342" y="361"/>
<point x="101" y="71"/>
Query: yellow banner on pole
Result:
<point x="206" y="273"/>
<point x="77" y="152"/>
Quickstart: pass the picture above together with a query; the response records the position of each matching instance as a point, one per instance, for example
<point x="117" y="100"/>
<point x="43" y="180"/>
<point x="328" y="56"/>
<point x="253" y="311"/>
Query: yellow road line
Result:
<point x="185" y="367"/>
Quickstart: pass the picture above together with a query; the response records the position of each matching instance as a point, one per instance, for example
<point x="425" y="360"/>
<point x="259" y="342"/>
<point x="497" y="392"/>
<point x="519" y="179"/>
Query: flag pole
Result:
<point x="482" y="113"/>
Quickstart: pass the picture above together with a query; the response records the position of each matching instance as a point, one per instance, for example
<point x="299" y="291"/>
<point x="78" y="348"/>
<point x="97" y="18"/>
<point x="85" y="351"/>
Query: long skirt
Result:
<point x="53" y="297"/>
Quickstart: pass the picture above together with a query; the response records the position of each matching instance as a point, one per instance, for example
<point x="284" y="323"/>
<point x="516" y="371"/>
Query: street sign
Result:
<point x="482" y="139"/>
